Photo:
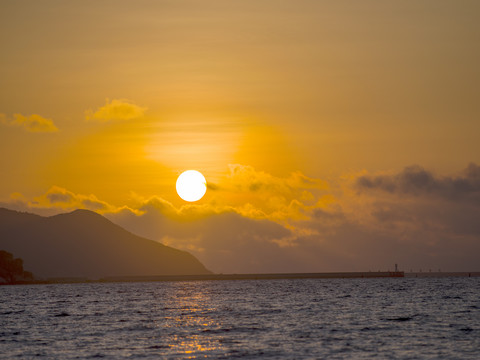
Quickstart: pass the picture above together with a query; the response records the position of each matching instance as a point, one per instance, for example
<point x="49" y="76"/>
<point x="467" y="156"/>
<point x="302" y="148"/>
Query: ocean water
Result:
<point x="392" y="318"/>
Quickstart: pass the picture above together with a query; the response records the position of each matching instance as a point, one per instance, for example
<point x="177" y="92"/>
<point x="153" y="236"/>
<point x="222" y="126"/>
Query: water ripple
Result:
<point x="299" y="319"/>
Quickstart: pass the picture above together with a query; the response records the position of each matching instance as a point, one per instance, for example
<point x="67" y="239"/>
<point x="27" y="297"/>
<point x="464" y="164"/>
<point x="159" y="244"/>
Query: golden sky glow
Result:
<point x="306" y="117"/>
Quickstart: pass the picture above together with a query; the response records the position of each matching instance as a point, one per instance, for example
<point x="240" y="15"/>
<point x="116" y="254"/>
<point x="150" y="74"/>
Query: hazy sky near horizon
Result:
<point x="334" y="135"/>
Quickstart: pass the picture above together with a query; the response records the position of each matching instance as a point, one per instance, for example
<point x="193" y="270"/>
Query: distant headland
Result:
<point x="84" y="244"/>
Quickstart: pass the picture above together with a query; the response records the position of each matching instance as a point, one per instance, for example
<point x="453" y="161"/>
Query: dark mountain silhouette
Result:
<point x="85" y="244"/>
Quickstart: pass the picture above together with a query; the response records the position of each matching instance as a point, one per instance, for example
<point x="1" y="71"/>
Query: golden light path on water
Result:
<point x="194" y="310"/>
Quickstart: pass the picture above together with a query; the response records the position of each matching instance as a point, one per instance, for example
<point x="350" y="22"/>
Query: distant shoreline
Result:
<point x="220" y="277"/>
<point x="443" y="274"/>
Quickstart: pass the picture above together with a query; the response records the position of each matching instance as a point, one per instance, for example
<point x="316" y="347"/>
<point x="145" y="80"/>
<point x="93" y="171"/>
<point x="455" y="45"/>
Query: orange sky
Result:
<point x="333" y="135"/>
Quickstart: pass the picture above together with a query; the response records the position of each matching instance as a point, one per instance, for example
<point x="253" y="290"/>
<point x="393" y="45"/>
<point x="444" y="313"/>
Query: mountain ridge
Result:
<point x="83" y="243"/>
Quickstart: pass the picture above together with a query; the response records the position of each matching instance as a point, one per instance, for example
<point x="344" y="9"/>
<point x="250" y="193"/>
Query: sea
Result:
<point x="383" y="318"/>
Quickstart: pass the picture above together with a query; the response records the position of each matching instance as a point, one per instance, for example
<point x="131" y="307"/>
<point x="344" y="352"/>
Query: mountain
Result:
<point x="85" y="244"/>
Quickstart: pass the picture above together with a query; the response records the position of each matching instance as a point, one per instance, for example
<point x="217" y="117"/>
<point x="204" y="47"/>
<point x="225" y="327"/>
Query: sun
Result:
<point x="191" y="185"/>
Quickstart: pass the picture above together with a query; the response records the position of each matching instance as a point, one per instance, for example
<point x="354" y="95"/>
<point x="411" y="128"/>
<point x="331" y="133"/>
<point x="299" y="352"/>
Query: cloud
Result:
<point x="416" y="181"/>
<point x="60" y="197"/>
<point x="258" y="194"/>
<point x="246" y="178"/>
<point x="117" y="109"/>
<point x="32" y="123"/>
<point x="58" y="200"/>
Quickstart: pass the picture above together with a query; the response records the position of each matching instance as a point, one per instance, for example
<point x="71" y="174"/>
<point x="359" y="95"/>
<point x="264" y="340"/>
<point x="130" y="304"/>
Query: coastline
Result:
<point x="223" y="277"/>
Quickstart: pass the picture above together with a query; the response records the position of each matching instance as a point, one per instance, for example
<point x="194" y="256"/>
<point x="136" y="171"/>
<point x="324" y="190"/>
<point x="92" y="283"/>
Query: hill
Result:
<point x="85" y="244"/>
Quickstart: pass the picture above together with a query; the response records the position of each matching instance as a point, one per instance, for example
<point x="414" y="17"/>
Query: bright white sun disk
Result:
<point x="191" y="185"/>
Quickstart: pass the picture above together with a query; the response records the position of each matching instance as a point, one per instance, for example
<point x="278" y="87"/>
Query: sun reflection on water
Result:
<point x="189" y="322"/>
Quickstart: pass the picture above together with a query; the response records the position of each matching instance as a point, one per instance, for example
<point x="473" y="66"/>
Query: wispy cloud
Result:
<point x="32" y="123"/>
<point x="117" y="109"/>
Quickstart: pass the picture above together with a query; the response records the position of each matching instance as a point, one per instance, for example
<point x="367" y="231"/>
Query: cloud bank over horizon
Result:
<point x="299" y="224"/>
